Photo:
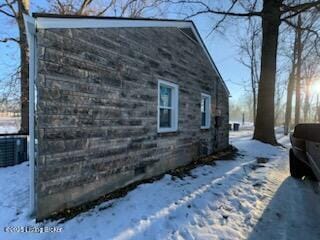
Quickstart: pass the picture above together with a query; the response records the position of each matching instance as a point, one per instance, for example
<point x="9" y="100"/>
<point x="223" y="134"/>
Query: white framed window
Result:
<point x="167" y="106"/>
<point x="205" y="111"/>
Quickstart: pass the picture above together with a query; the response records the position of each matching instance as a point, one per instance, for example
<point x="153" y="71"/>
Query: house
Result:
<point x="114" y="101"/>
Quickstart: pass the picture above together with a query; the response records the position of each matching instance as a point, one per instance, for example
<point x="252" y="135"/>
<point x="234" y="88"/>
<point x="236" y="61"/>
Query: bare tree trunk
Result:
<point x="23" y="8"/>
<point x="264" y="130"/>
<point x="253" y="81"/>
<point x="249" y="48"/>
<point x="254" y="106"/>
<point x="318" y="109"/>
<point x="255" y="90"/>
<point x="309" y="74"/>
<point x="306" y="107"/>
<point x="298" y="75"/>
<point x="254" y="97"/>
<point x="287" y="124"/>
<point x="290" y="89"/>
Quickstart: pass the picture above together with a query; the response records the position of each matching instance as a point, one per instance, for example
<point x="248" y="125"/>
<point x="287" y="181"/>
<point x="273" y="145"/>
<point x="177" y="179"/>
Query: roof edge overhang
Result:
<point x="47" y="21"/>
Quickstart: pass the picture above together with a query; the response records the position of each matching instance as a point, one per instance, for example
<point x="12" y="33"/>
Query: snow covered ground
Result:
<point x="235" y="199"/>
<point x="9" y="124"/>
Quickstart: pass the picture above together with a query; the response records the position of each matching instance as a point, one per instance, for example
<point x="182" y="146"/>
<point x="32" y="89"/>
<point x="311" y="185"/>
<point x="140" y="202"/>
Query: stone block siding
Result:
<point x="96" y="115"/>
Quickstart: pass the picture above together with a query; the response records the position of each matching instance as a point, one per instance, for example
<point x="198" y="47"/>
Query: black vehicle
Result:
<point x="305" y="151"/>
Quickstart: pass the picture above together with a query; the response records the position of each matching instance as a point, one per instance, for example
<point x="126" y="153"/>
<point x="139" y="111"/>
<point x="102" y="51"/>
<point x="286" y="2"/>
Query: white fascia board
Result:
<point x="43" y="22"/>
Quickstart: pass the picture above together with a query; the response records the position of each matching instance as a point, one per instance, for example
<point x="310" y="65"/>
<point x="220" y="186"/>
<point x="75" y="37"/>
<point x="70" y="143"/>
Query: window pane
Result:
<point x="203" y="119"/>
<point x="203" y="111"/>
<point x="165" y="96"/>
<point x="203" y="104"/>
<point x="165" y="118"/>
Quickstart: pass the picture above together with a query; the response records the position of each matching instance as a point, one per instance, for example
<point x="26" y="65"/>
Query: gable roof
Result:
<point x="46" y="21"/>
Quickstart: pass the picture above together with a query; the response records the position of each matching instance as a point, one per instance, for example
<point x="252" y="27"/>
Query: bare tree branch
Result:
<point x="61" y="6"/>
<point x="230" y="14"/>
<point x="301" y="28"/>
<point x="6" y="13"/>
<point x="222" y="19"/>
<point x="297" y="9"/>
<point x="300" y="7"/>
<point x="125" y="7"/>
<point x="10" y="6"/>
<point x="84" y="5"/>
<point x="208" y="9"/>
<point x="7" y="3"/>
<point x="112" y="2"/>
<point x="4" y="40"/>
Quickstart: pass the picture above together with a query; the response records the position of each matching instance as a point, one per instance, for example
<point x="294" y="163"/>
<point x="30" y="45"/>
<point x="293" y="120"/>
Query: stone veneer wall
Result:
<point x="96" y="120"/>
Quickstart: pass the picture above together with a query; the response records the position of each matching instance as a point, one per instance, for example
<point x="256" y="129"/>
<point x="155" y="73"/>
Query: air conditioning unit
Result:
<point x="13" y="150"/>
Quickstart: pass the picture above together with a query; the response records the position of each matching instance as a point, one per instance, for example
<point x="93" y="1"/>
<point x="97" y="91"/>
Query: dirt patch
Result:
<point x="262" y="160"/>
<point x="256" y="166"/>
<point x="230" y="153"/>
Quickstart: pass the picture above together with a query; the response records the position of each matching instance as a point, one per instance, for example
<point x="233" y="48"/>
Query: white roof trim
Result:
<point x="52" y="22"/>
<point x="44" y="22"/>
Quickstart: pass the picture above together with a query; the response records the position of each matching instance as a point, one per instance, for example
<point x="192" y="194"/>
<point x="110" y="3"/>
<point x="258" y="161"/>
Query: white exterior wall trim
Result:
<point x="175" y="107"/>
<point x="31" y="38"/>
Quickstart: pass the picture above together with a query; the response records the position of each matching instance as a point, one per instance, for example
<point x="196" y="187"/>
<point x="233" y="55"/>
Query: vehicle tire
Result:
<point x="297" y="168"/>
<point x="310" y="174"/>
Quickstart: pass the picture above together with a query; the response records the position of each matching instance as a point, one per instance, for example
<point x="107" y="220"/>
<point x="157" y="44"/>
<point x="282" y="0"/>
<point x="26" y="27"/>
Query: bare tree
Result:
<point x="15" y="9"/>
<point x="138" y="8"/>
<point x="310" y="73"/>
<point x="317" y="112"/>
<point x="250" y="58"/>
<point x="305" y="46"/>
<point x="75" y="7"/>
<point x="290" y="89"/>
<point x="310" y="70"/>
<point x="298" y="73"/>
<point x="280" y="103"/>
<point x="120" y="8"/>
<point x="272" y="14"/>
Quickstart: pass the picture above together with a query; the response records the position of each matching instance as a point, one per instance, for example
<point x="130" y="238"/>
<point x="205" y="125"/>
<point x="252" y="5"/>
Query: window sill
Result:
<point x="168" y="133"/>
<point x="205" y="128"/>
<point x="167" y="130"/>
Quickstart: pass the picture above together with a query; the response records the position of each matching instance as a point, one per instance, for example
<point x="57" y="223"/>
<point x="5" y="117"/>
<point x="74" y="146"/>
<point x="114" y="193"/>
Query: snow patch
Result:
<point x="223" y="201"/>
